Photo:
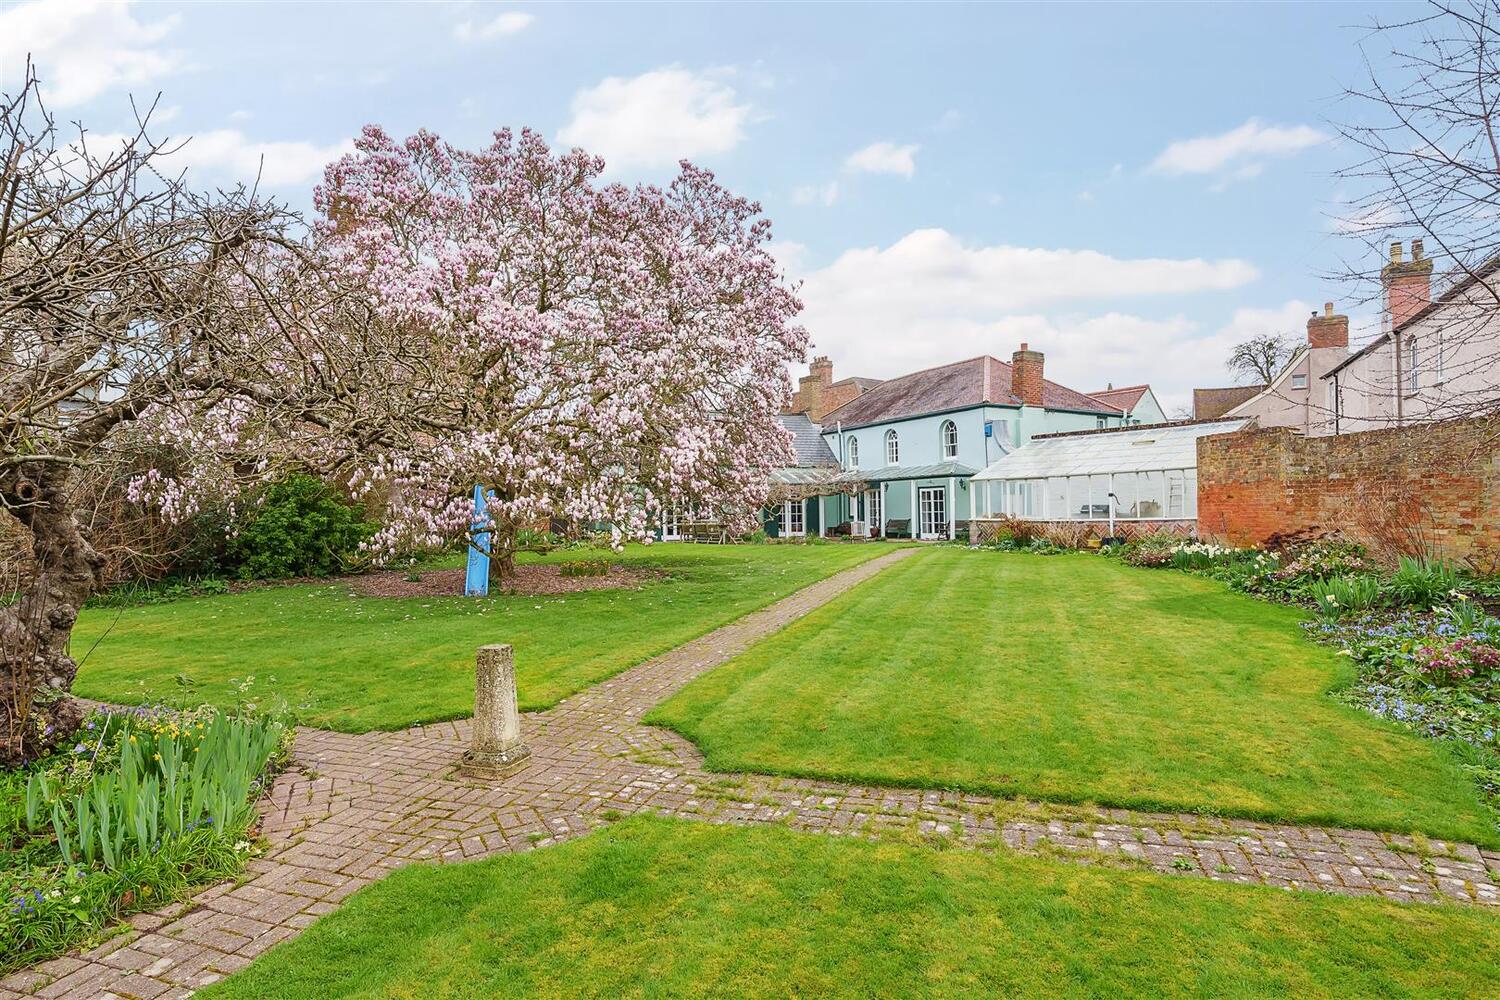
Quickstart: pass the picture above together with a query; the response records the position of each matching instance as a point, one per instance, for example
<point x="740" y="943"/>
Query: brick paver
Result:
<point x="358" y="806"/>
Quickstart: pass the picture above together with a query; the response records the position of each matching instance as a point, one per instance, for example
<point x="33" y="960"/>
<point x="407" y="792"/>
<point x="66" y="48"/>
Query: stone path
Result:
<point x="360" y="806"/>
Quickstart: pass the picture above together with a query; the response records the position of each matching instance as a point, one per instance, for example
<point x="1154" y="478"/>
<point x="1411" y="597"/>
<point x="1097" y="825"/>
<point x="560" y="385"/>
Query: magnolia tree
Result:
<point x="497" y="317"/>
<point x="585" y="350"/>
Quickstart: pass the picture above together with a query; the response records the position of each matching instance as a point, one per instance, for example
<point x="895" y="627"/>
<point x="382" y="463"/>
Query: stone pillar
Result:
<point x="496" y="750"/>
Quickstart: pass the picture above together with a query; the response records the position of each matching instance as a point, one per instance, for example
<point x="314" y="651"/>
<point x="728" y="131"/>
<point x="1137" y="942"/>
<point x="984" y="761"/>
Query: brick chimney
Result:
<point x="810" y="387"/>
<point x="1026" y="375"/>
<point x="1407" y="284"/>
<point x="1328" y="330"/>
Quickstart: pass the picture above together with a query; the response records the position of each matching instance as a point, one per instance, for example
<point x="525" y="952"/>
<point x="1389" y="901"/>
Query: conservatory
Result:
<point x="1127" y="474"/>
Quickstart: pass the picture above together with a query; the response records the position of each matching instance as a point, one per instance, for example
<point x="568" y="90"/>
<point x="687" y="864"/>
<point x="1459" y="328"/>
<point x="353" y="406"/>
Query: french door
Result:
<point x="874" y="513"/>
<point x="933" y="507"/>
<point x="793" y="523"/>
<point x="671" y="525"/>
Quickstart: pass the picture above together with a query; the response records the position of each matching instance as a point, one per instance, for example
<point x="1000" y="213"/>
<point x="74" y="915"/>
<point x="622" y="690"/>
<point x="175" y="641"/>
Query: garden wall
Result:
<point x="1426" y="489"/>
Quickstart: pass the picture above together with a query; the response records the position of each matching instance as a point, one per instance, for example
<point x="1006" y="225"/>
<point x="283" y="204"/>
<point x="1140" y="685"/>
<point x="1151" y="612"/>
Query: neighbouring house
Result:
<point x="1209" y="404"/>
<point x="1115" y="481"/>
<point x="1438" y="358"/>
<point x="1137" y="402"/>
<point x="909" y="445"/>
<point x="1295" y="398"/>
<point x="817" y="393"/>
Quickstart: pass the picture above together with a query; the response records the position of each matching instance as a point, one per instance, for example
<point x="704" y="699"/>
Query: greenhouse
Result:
<point x="1132" y="474"/>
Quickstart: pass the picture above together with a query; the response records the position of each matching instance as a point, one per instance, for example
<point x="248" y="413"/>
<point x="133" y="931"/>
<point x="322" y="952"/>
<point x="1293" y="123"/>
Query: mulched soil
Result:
<point x="530" y="579"/>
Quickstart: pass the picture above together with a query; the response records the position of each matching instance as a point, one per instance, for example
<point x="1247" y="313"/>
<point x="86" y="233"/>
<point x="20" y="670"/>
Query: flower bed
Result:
<point x="149" y="803"/>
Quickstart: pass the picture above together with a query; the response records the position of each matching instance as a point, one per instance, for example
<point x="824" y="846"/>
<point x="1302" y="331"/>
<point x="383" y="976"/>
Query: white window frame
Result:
<point x="853" y="452"/>
<point x="948" y="440"/>
<point x="1299" y="380"/>
<point x="875" y="511"/>
<point x="1413" y="358"/>
<point x="892" y="448"/>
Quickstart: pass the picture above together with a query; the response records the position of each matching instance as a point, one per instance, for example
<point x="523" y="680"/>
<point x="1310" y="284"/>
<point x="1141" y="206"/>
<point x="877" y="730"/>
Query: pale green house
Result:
<point x="906" y="448"/>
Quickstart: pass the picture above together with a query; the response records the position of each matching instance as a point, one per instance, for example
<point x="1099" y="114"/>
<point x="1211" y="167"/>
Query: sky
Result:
<point x="1129" y="189"/>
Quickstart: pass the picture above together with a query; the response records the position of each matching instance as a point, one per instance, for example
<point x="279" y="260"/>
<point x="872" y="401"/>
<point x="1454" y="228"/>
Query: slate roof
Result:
<point x="807" y="442"/>
<point x="973" y="382"/>
<point x="1211" y="403"/>
<point x="1123" y="398"/>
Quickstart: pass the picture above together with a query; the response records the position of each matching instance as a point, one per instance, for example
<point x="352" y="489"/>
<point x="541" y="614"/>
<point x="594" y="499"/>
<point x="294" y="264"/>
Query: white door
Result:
<point x="792" y="523"/>
<point x="671" y="525"/>
<point x="873" y="513"/>
<point x="931" y="502"/>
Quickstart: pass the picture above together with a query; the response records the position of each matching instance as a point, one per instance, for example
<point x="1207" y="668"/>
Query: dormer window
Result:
<point x="948" y="435"/>
<point x="892" y="449"/>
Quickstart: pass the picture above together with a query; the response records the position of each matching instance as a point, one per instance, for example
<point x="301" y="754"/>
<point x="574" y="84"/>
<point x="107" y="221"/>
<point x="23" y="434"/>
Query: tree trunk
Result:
<point x="36" y="673"/>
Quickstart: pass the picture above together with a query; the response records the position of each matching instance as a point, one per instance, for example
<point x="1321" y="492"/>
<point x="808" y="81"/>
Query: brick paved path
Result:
<point x="360" y="806"/>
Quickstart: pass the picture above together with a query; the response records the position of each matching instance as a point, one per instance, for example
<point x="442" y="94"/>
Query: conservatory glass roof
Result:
<point x="1139" y="449"/>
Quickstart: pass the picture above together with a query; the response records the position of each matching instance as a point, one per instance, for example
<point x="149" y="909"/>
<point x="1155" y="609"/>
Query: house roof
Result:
<point x="973" y="382"/>
<point x="811" y="451"/>
<point x="1134" y="449"/>
<point x="1210" y="403"/>
<point x="1123" y="398"/>
<point x="1457" y="291"/>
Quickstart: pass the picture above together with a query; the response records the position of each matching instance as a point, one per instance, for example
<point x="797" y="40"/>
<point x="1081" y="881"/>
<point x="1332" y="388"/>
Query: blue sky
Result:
<point x="1130" y="189"/>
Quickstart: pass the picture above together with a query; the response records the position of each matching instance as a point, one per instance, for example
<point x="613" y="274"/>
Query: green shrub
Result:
<point x="1338" y="596"/>
<point x="1423" y="583"/>
<point x="300" y="528"/>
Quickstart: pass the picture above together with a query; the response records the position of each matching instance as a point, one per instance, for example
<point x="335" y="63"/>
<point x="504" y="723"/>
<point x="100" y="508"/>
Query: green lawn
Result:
<point x="1073" y="678"/>
<point x="360" y="663"/>
<point x="664" y="908"/>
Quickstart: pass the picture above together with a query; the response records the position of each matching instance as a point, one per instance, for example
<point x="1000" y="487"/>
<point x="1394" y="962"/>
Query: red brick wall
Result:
<point x="1438" y="483"/>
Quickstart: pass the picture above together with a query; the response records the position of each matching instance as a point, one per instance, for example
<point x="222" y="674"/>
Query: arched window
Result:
<point x="854" y="453"/>
<point x="892" y="449"/>
<point x="949" y="436"/>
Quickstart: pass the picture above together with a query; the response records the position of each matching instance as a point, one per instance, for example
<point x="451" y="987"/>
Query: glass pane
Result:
<point x="1057" y="499"/>
<point x="1125" y="495"/>
<point x="1078" y="497"/>
<point x="1191" y="490"/>
<point x="1151" y="486"/>
<point x="1174" y="493"/>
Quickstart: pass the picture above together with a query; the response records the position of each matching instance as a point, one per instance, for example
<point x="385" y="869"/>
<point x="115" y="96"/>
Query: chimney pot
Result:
<point x="1396" y="252"/>
<point x="1328" y="309"/>
<point x="1416" y="249"/>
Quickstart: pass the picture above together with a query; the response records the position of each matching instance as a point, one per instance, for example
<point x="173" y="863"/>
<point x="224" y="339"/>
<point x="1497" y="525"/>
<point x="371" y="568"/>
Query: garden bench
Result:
<point x="898" y="529"/>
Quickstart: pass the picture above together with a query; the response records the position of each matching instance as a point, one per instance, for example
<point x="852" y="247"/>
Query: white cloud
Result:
<point x="815" y="194"/>
<point x="1237" y="154"/>
<point x="509" y="23"/>
<point x="83" y="48"/>
<point x="884" y="158"/>
<point x="929" y="299"/>
<point x="227" y="155"/>
<point x="657" y="118"/>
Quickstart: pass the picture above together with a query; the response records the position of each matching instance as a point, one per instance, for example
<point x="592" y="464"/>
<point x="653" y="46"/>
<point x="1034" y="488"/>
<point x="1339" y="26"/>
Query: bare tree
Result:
<point x="1428" y="169"/>
<point x="1260" y="359"/>
<point x="122" y="296"/>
